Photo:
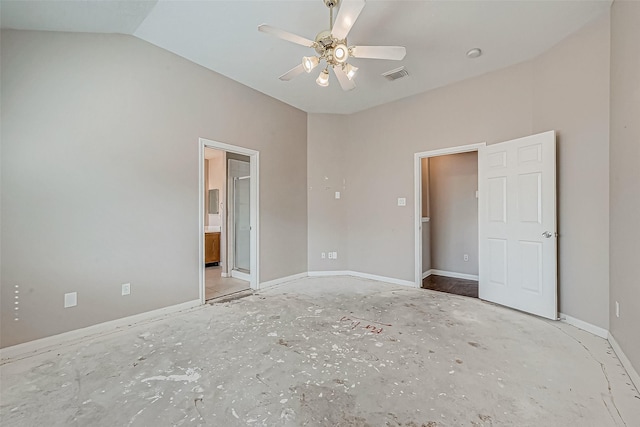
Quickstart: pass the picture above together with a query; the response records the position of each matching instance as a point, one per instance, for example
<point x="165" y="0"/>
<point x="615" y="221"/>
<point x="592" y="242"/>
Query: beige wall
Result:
<point x="100" y="177"/>
<point x="326" y="165"/>
<point x="384" y="140"/>
<point x="571" y="95"/>
<point x="625" y="177"/>
<point x="454" y="212"/>
<point x="499" y="106"/>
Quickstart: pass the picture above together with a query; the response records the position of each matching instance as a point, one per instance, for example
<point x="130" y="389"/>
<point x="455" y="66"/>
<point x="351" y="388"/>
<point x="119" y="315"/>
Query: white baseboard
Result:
<point x="452" y="274"/>
<point x="43" y="345"/>
<point x="224" y="274"/>
<point x="626" y="363"/>
<point x="581" y="324"/>
<point x="426" y="274"/>
<point x="240" y="275"/>
<point x="363" y="276"/>
<point x="383" y="279"/>
<point x="281" y="280"/>
<point x="329" y="273"/>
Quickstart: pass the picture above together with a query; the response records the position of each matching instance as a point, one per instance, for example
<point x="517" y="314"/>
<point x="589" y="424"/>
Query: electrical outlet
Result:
<point x="323" y="255"/>
<point x="402" y="201"/>
<point x="465" y="257"/>
<point x="335" y="255"/>
<point x="617" y="309"/>
<point x="70" y="299"/>
<point x="330" y="255"/>
<point x="126" y="288"/>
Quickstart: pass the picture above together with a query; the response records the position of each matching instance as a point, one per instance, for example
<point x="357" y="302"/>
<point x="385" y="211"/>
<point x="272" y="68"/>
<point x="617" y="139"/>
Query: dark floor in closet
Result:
<point x="464" y="287"/>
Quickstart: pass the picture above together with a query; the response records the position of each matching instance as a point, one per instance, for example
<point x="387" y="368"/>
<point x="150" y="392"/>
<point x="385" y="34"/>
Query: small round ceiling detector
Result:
<point x="474" y="53"/>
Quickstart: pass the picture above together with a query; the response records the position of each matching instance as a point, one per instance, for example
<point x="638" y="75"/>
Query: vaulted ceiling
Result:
<point x="223" y="36"/>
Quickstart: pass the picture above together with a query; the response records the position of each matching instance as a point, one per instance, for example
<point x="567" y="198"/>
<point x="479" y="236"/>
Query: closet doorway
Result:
<point x="517" y="223"/>
<point x="448" y="230"/>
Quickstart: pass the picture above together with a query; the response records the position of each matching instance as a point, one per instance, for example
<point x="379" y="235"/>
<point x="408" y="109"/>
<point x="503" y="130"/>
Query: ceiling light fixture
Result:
<point x="340" y="53"/>
<point x="474" y="53"/>
<point x="331" y="46"/>
<point x="310" y="62"/>
<point x="323" y="78"/>
<point x="350" y="70"/>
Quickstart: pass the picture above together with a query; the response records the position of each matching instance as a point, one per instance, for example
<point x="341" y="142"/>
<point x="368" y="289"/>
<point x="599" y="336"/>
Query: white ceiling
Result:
<point x="223" y="36"/>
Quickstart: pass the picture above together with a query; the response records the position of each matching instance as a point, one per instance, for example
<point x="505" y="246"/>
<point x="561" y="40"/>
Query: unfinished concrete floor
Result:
<point x="328" y="352"/>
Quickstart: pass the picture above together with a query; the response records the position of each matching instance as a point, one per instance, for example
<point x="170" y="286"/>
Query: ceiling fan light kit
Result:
<point x="340" y="53"/>
<point x="323" y="78"/>
<point x="310" y="62"/>
<point x="350" y="70"/>
<point x="332" y="48"/>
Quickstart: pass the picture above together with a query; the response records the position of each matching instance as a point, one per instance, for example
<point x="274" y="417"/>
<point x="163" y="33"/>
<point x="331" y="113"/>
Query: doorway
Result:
<point x="517" y="246"/>
<point x="228" y="219"/>
<point x="449" y="223"/>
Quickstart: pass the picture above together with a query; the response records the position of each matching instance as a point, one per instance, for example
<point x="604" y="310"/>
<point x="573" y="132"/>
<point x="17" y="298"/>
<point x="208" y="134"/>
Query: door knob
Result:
<point x="547" y="234"/>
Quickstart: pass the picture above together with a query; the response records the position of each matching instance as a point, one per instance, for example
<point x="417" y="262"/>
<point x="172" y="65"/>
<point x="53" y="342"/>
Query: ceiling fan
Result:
<point x="331" y="46"/>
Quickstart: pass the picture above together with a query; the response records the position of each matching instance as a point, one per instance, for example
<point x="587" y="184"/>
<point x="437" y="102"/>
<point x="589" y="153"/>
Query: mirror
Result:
<point x="213" y="201"/>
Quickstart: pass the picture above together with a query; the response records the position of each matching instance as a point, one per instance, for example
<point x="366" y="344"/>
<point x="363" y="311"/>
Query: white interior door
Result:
<point x="517" y="224"/>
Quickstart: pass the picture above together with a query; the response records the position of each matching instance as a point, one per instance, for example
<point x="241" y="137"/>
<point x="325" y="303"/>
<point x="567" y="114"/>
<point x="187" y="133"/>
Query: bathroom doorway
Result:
<point x="228" y="200"/>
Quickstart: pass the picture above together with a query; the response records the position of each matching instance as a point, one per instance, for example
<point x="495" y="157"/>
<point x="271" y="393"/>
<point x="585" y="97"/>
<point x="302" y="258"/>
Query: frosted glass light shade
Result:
<point x="309" y="63"/>
<point x="323" y="78"/>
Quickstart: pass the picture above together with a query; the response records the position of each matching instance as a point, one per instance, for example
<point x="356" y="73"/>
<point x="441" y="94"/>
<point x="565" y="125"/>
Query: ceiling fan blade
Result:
<point x="347" y="15"/>
<point x="285" y="35"/>
<point x="344" y="81"/>
<point x="395" y="53"/>
<point x="294" y="72"/>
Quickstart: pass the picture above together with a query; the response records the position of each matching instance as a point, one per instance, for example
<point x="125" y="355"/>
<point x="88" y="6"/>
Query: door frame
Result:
<point x="254" y="208"/>
<point x="417" y="173"/>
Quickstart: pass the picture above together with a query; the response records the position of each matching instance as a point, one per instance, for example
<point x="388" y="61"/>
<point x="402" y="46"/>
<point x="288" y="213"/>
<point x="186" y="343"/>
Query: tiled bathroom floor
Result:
<point x="217" y="286"/>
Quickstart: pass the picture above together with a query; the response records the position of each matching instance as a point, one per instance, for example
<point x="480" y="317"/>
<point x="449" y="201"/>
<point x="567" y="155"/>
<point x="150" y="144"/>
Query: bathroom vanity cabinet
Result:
<point x="211" y="247"/>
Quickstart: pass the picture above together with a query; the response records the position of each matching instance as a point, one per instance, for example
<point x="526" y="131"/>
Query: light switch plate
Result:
<point x="337" y="194"/>
<point x="402" y="201"/>
<point x="70" y="299"/>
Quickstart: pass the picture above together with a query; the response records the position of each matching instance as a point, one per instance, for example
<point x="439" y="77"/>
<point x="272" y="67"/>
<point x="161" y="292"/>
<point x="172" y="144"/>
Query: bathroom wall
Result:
<point x="216" y="180"/>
